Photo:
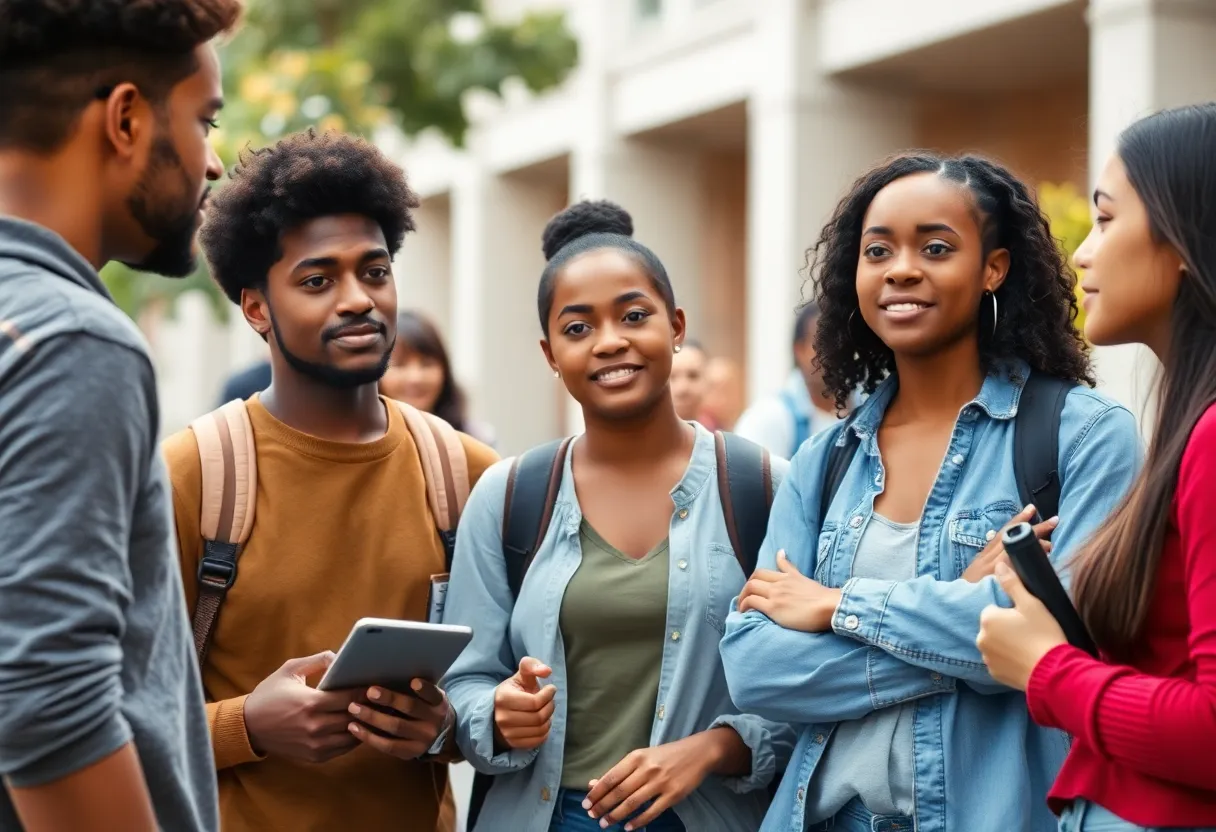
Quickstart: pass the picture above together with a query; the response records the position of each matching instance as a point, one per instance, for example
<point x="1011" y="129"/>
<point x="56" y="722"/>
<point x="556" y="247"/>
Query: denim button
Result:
<point x="544" y="793"/>
<point x="675" y="636"/>
<point x="851" y="622"/>
<point x="958" y="459"/>
<point x="662" y="712"/>
<point x="801" y="794"/>
<point x="683" y="514"/>
<point x="935" y="676"/>
<point x="682" y="564"/>
<point x="856" y="521"/>
<point x="819" y="738"/>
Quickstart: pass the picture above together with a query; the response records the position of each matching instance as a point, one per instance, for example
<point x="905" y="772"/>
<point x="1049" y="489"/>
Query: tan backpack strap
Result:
<point x="444" y="465"/>
<point x="230" y="476"/>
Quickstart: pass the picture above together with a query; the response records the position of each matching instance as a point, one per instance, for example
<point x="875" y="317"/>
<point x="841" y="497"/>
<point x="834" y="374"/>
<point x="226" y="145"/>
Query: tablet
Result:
<point x="391" y="654"/>
<point x="1040" y="579"/>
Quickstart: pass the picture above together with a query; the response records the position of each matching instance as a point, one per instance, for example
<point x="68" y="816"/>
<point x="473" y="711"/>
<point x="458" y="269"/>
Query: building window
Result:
<point x="648" y="9"/>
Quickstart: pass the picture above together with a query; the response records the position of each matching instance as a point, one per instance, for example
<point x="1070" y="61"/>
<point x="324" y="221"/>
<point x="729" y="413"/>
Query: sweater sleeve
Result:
<point x="1162" y="727"/>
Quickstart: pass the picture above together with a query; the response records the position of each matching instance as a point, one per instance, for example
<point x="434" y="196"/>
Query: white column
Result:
<point x="809" y="137"/>
<point x="496" y="266"/>
<point x="1145" y="55"/>
<point x="423" y="267"/>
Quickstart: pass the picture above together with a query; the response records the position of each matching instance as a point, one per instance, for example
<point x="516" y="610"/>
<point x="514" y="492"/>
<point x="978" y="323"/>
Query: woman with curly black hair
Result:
<point x="944" y="296"/>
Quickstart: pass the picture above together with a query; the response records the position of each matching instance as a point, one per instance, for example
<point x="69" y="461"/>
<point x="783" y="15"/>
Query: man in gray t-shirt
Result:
<point x="103" y="155"/>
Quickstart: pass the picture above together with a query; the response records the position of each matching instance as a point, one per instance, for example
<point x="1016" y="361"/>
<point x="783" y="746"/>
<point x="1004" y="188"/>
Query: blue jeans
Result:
<point x="1083" y="816"/>
<point x="855" y="817"/>
<point x="570" y="816"/>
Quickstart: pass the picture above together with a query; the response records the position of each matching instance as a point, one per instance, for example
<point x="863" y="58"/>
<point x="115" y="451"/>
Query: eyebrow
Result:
<point x="329" y="262"/>
<point x="1103" y="194"/>
<point x="924" y="228"/>
<point x="585" y="309"/>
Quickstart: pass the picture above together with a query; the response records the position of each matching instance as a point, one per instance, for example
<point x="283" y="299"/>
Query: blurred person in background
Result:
<point x="105" y="111"/>
<point x="420" y="374"/>
<point x="724" y="396"/>
<point x="245" y="383"/>
<point x="782" y="422"/>
<point x="688" y="385"/>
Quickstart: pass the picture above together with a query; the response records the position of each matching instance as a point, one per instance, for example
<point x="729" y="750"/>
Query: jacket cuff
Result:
<point x="759" y="741"/>
<point x="475" y="735"/>
<point x="860" y="609"/>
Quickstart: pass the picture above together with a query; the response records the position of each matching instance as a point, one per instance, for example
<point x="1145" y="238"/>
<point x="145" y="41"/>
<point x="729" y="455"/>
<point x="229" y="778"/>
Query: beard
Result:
<point x="169" y="221"/>
<point x="327" y="374"/>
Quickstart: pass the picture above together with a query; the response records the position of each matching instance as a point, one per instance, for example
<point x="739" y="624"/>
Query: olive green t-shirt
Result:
<point x="613" y="620"/>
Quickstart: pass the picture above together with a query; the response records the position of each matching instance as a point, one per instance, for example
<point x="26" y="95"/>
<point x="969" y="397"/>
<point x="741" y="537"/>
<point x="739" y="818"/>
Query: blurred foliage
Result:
<point x="359" y="65"/>
<point x="1067" y="210"/>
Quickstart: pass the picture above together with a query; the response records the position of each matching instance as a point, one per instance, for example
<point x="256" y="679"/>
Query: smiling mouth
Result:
<point x="615" y="376"/>
<point x="905" y="307"/>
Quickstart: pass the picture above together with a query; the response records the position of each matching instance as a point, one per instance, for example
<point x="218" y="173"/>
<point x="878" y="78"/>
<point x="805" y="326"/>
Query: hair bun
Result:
<point x="581" y="219"/>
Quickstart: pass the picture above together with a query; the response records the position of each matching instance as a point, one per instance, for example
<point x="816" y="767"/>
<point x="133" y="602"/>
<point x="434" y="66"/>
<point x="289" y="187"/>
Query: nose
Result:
<point x="1083" y="258"/>
<point x="904" y="270"/>
<point x="215" y="165"/>
<point x="353" y="297"/>
<point x="610" y="341"/>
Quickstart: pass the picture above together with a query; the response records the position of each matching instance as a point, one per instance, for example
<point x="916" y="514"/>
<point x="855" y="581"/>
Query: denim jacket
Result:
<point x="980" y="762"/>
<point x="704" y="576"/>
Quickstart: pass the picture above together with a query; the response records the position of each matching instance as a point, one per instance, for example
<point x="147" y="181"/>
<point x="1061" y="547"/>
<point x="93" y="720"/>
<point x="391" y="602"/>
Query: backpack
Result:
<point x="745" y="487"/>
<point x="230" y="486"/>
<point x="1036" y="448"/>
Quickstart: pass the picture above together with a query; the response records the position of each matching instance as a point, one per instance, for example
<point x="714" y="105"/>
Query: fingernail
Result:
<point x="374" y="693"/>
<point x="416" y="685"/>
<point x="1054" y="520"/>
<point x="629" y="827"/>
<point x="354" y="709"/>
<point x="1028" y="508"/>
<point x="604" y="823"/>
<point x="355" y="729"/>
<point x="586" y="804"/>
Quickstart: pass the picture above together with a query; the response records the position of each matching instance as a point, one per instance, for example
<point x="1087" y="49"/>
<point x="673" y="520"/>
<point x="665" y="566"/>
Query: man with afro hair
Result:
<point x="105" y="109"/>
<point x="303" y="240"/>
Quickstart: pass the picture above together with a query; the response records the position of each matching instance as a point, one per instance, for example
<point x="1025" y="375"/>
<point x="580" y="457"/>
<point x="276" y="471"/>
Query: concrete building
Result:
<point x="730" y="128"/>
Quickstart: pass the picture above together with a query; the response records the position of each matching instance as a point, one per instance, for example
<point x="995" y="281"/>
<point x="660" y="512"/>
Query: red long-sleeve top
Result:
<point x="1144" y="742"/>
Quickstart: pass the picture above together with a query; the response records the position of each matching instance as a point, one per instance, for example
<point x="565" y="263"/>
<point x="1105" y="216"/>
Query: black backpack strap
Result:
<point x="840" y="457"/>
<point x="745" y="487"/>
<point x="532" y="488"/>
<point x="1036" y="442"/>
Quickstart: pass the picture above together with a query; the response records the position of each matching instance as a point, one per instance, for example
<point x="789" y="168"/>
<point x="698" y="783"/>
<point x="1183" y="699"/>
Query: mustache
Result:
<point x="363" y="320"/>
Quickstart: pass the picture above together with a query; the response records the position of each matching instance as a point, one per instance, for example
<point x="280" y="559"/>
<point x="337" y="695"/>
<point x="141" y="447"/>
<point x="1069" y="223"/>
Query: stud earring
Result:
<point x="557" y="374"/>
<point x="679" y="347"/>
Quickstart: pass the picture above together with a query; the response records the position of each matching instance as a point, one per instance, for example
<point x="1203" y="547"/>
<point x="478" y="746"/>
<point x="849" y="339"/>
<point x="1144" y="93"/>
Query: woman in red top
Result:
<point x="1143" y="717"/>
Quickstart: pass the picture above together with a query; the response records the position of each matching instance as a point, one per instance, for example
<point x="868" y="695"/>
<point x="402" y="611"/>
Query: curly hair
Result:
<point x="1037" y="301"/>
<point x="58" y="55"/>
<point x="303" y="176"/>
<point x="590" y="226"/>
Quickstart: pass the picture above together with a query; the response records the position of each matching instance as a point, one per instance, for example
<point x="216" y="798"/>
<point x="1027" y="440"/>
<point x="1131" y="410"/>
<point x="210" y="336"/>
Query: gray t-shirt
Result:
<point x="95" y="648"/>
<point x="871" y="758"/>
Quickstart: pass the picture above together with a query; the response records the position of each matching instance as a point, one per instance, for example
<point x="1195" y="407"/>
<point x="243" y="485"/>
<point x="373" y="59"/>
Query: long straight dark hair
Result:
<point x="1170" y="159"/>
<point x="417" y="334"/>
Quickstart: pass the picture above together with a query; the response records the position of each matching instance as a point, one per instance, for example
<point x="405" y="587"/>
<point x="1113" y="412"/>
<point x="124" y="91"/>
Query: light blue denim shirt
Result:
<point x="703" y="579"/>
<point x="980" y="763"/>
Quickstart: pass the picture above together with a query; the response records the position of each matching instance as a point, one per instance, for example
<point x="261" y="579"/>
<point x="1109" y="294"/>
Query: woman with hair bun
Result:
<point x="598" y="699"/>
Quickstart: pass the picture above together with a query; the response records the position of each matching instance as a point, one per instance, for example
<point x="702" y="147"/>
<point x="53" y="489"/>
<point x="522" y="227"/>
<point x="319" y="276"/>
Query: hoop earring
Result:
<point x="994" y="313"/>
<point x="849" y="324"/>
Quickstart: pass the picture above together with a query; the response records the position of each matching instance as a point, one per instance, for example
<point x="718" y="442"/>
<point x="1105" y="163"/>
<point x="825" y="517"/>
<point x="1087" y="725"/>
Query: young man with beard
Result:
<point x="105" y="107"/>
<point x="303" y="240"/>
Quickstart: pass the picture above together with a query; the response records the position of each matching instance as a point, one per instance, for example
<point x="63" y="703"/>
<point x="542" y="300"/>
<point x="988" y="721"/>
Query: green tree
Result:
<point x="1067" y="211"/>
<point x="360" y="65"/>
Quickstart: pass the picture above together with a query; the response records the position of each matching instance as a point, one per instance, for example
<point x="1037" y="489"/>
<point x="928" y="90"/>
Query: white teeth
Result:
<point x="904" y="307"/>
<point x="615" y="374"/>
